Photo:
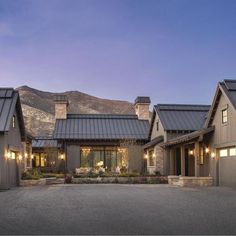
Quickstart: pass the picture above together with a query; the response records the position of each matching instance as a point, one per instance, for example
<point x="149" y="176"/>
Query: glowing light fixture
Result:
<point x="146" y="156"/>
<point x="8" y="154"/>
<point x="62" y="157"/>
<point x="207" y="150"/>
<point x="190" y="152"/>
<point x="213" y="155"/>
<point x="20" y="157"/>
<point x="26" y="155"/>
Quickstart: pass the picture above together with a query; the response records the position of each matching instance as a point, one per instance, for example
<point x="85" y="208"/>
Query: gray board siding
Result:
<point x="182" y="117"/>
<point x="7" y="108"/>
<point x="101" y="127"/>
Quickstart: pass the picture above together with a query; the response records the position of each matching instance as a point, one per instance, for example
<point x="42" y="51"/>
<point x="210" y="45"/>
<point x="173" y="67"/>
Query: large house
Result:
<point x="168" y="122"/>
<point x="112" y="142"/>
<point x="12" y="138"/>
<point x="205" y="143"/>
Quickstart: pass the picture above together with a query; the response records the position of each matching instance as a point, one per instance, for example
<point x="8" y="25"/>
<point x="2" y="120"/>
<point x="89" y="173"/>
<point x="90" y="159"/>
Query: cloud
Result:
<point x="5" y="30"/>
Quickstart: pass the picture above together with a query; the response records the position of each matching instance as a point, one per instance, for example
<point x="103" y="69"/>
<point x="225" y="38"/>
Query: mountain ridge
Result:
<point x="39" y="110"/>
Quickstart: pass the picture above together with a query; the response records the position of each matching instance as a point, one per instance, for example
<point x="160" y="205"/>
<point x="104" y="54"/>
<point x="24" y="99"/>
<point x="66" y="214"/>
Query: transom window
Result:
<point x="232" y="151"/>
<point x="223" y="153"/>
<point x="224" y="116"/>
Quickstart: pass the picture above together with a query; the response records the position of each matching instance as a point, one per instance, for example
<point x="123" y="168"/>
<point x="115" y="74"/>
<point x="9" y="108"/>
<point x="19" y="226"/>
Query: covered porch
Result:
<point x="188" y="159"/>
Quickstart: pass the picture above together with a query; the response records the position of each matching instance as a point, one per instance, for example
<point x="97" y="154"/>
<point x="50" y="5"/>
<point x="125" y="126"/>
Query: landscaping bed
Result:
<point x="34" y="177"/>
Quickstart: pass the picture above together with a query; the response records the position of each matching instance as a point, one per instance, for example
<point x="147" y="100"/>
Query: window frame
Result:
<point x="224" y="116"/>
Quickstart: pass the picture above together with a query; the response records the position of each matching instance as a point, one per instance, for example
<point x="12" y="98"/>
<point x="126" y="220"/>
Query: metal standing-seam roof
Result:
<point x="9" y="102"/>
<point x="101" y="126"/>
<point x="178" y="117"/>
<point x="44" y="143"/>
<point x="229" y="87"/>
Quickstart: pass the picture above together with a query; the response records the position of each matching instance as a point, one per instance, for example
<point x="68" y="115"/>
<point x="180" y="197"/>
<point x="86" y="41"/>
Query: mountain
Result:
<point x="38" y="108"/>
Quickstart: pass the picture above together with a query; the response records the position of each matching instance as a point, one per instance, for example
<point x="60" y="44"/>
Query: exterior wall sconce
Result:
<point x="26" y="155"/>
<point x="20" y="157"/>
<point x="153" y="155"/>
<point x="62" y="157"/>
<point x="213" y="155"/>
<point x="207" y="150"/>
<point x="32" y="157"/>
<point x="190" y="152"/>
<point x="146" y="156"/>
<point x="8" y="154"/>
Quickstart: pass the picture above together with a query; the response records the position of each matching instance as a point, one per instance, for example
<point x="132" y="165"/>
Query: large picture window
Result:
<point x="106" y="157"/>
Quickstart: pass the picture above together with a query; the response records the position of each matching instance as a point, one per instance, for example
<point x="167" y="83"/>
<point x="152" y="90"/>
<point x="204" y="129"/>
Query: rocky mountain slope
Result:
<point x="38" y="108"/>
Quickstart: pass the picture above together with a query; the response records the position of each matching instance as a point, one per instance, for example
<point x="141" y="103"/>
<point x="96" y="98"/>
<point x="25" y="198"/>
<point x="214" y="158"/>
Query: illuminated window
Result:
<point x="224" y="116"/>
<point x="14" y="121"/>
<point x="223" y="153"/>
<point x="232" y="151"/>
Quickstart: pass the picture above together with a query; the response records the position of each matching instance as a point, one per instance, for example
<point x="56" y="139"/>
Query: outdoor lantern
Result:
<point x="20" y="157"/>
<point x="26" y="155"/>
<point x="62" y="156"/>
<point x="191" y="152"/>
<point x="32" y="157"/>
<point x="146" y="156"/>
<point x="153" y="155"/>
<point x="207" y="150"/>
<point x="8" y="155"/>
<point x="213" y="155"/>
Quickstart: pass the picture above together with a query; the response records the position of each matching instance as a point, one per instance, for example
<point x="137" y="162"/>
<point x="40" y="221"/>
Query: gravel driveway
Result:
<point x="117" y="209"/>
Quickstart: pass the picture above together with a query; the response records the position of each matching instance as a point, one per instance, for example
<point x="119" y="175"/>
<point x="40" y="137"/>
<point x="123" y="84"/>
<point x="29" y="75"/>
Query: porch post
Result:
<point x="182" y="153"/>
<point x="196" y="159"/>
<point x="167" y="161"/>
<point x="172" y="168"/>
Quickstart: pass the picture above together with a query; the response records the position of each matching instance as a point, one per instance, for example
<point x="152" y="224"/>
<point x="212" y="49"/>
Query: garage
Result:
<point x="227" y="167"/>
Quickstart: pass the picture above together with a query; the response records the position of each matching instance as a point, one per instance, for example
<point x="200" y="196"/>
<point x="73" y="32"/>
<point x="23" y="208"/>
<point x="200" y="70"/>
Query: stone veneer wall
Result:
<point x="159" y="159"/>
<point x="61" y="110"/>
<point x="187" y="181"/>
<point x="142" y="111"/>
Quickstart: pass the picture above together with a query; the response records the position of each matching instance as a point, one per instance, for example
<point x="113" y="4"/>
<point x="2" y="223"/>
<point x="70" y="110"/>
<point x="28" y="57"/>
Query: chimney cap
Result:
<point x="143" y="100"/>
<point x="61" y="98"/>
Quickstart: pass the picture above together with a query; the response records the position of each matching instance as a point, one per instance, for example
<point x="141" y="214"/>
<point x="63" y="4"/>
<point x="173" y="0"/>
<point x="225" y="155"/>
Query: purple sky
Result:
<point x="174" y="51"/>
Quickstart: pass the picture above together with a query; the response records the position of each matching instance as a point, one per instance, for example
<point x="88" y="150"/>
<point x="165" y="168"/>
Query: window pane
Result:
<point x="151" y="158"/>
<point x="85" y="154"/>
<point x="232" y="151"/>
<point x="224" y="116"/>
<point x="223" y="153"/>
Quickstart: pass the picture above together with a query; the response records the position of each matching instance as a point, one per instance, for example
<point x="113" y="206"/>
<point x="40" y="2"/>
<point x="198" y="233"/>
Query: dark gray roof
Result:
<point x="143" y="100"/>
<point x="180" y="117"/>
<point x="44" y="143"/>
<point x="155" y="141"/>
<point x="188" y="137"/>
<point x="100" y="126"/>
<point x="229" y="87"/>
<point x="9" y="102"/>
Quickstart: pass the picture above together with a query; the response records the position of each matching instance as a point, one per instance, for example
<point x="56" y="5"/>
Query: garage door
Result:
<point x="227" y="167"/>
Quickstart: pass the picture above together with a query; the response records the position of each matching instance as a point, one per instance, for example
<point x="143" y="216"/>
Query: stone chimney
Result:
<point x="142" y="107"/>
<point x="61" y="104"/>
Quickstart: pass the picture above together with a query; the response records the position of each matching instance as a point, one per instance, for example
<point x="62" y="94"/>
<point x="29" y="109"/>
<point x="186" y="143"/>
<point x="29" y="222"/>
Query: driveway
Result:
<point x="117" y="209"/>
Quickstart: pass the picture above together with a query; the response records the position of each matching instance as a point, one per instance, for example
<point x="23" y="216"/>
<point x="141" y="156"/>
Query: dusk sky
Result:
<point x="174" y="51"/>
